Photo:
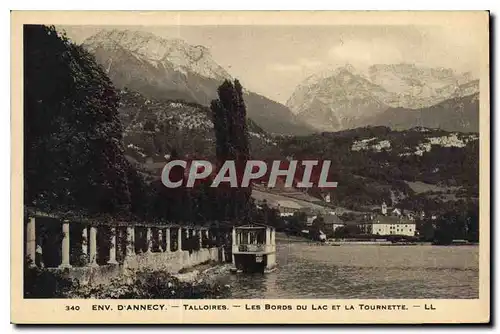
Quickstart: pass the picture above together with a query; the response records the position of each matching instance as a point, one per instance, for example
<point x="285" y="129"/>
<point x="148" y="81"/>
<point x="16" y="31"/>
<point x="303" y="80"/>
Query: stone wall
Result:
<point x="171" y="262"/>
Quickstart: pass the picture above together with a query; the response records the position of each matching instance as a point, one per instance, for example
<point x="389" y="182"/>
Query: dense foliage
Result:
<point x="73" y="149"/>
<point x="152" y="284"/>
<point x="144" y="284"/>
<point x="42" y="283"/>
<point x="454" y="223"/>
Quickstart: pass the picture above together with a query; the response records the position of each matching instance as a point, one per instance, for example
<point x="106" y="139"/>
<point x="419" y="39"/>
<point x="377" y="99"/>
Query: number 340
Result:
<point x="72" y="308"/>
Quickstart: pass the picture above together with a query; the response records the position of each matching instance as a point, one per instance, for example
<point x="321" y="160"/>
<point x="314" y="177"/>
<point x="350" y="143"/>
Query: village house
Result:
<point x="387" y="225"/>
<point x="333" y="222"/>
<point x="310" y="220"/>
<point x="287" y="208"/>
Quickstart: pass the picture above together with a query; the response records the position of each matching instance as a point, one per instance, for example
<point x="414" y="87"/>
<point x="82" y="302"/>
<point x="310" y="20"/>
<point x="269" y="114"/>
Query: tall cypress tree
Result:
<point x="229" y="118"/>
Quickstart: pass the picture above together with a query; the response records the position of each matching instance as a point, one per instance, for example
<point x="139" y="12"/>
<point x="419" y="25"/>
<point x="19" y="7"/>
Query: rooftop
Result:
<point x="252" y="227"/>
<point x="333" y="219"/>
<point x="390" y="220"/>
<point x="289" y="204"/>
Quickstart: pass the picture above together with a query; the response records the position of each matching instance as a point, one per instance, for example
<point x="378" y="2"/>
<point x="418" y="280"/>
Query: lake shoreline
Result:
<point x="284" y="238"/>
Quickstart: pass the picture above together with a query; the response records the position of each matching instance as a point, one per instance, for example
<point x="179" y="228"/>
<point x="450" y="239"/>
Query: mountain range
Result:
<point x="399" y="95"/>
<point x="172" y="69"/>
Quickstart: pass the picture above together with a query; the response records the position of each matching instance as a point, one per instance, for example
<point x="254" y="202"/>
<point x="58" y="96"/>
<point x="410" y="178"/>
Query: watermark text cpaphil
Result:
<point x="235" y="174"/>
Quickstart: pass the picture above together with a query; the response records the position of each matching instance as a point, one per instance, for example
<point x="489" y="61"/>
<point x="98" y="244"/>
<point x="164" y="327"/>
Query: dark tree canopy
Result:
<point x="229" y="118"/>
<point x="73" y="153"/>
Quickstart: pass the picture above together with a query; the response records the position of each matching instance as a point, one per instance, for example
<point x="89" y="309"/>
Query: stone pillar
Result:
<point x="160" y="239"/>
<point x="65" y="249"/>
<point x="93" y="246"/>
<point x="200" y="233"/>
<point x="179" y="240"/>
<point x="85" y="244"/>
<point x="223" y="255"/>
<point x="207" y="237"/>
<point x="112" y="247"/>
<point x="130" y="250"/>
<point x="248" y="237"/>
<point x="119" y="236"/>
<point x="148" y="240"/>
<point x="31" y="240"/>
<point x="268" y="236"/>
<point x="235" y="243"/>
<point x="167" y="240"/>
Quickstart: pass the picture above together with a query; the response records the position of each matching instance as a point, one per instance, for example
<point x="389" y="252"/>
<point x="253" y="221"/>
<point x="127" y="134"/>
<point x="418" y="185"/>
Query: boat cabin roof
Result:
<point x="253" y="227"/>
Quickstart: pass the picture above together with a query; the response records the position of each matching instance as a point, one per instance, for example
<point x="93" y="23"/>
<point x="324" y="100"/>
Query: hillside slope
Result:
<point x="376" y="163"/>
<point x="155" y="128"/>
<point x="172" y="69"/>
<point x="457" y="114"/>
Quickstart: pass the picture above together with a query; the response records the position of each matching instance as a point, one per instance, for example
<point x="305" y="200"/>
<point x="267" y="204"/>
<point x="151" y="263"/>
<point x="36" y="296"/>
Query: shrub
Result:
<point x="149" y="284"/>
<point x="43" y="283"/>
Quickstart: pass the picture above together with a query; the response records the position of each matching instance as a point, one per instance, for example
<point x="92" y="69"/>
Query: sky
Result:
<point x="273" y="60"/>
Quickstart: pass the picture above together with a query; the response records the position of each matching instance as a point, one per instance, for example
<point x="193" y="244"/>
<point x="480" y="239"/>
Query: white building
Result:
<point x="387" y="225"/>
<point x="287" y="207"/>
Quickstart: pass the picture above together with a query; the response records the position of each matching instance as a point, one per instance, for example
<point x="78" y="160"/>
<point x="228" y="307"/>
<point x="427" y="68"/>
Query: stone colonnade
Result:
<point x="89" y="240"/>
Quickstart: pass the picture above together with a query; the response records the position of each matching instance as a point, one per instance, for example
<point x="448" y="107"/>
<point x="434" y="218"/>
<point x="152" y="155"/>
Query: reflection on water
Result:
<point x="310" y="271"/>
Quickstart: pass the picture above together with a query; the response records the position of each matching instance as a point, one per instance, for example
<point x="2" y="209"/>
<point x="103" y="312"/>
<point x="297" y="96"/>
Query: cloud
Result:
<point x="433" y="46"/>
<point x="303" y="64"/>
<point x="364" y="53"/>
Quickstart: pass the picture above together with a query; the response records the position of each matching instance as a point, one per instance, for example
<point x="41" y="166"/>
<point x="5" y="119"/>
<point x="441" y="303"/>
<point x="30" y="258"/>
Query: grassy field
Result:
<point x="421" y="187"/>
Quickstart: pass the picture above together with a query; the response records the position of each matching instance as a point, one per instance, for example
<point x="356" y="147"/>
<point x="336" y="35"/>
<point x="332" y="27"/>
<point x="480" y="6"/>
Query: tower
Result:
<point x="384" y="209"/>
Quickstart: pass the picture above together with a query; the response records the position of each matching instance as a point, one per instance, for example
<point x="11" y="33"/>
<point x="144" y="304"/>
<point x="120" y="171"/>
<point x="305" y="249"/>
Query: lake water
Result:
<point x="306" y="270"/>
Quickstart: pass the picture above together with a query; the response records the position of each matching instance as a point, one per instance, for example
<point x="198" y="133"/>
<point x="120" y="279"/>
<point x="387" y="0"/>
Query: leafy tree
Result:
<point x="296" y="223"/>
<point x="347" y="231"/>
<point x="73" y="150"/>
<point x="444" y="232"/>
<point x="425" y="229"/>
<point x="318" y="224"/>
<point x="473" y="224"/>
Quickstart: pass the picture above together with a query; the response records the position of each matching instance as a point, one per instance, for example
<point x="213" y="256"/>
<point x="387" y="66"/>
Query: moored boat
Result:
<point x="254" y="248"/>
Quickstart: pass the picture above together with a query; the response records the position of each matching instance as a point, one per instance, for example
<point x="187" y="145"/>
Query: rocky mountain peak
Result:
<point x="176" y="53"/>
<point x="172" y="69"/>
<point x="344" y="97"/>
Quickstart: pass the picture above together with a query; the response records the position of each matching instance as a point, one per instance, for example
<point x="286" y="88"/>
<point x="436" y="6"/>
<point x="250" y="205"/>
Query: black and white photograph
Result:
<point x="254" y="161"/>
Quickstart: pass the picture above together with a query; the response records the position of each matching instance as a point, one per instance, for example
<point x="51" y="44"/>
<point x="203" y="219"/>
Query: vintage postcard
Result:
<point x="250" y="167"/>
